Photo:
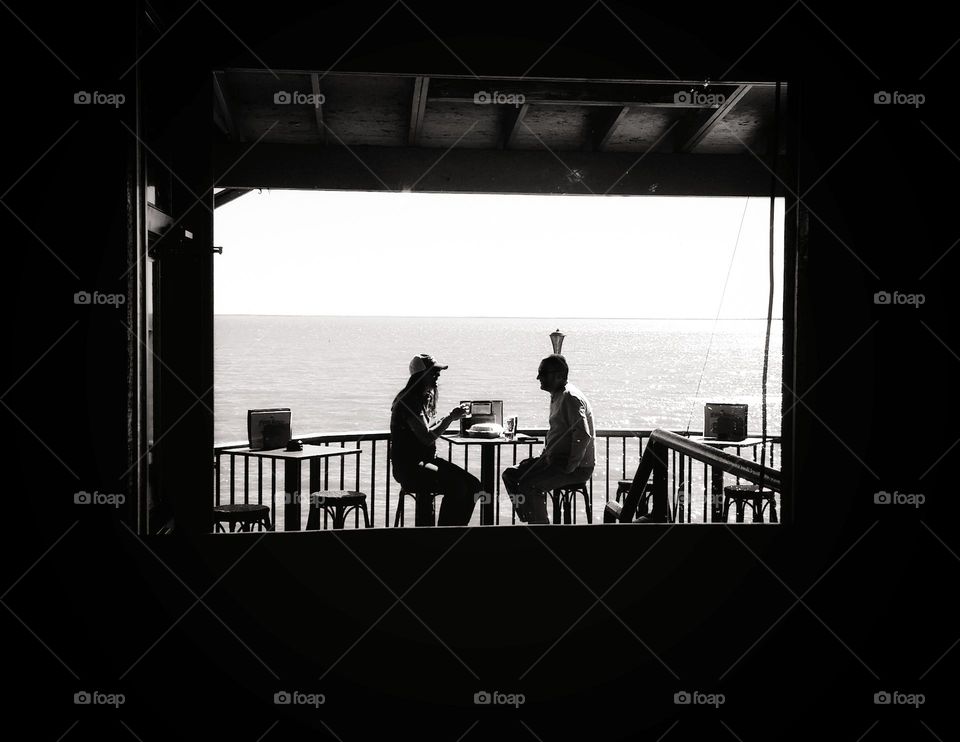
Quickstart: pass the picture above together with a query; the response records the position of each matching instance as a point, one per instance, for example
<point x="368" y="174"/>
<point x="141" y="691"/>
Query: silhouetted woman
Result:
<point x="414" y="430"/>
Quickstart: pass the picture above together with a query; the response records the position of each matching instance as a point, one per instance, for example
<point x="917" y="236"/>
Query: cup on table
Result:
<point x="510" y="430"/>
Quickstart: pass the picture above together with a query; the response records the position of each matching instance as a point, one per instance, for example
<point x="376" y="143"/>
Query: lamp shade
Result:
<point x="556" y="340"/>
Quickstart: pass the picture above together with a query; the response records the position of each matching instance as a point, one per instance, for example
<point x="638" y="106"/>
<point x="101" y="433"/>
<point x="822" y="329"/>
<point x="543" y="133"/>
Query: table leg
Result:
<point x="716" y="494"/>
<point x="291" y="499"/>
<point x="488" y="475"/>
<point x="313" y="514"/>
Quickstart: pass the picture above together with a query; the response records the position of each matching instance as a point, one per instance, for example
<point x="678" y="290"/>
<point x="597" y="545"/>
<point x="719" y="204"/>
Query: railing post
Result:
<point x="661" y="507"/>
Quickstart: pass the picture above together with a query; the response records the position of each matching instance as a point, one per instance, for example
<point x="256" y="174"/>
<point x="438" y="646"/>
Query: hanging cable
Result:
<point x="717" y="318"/>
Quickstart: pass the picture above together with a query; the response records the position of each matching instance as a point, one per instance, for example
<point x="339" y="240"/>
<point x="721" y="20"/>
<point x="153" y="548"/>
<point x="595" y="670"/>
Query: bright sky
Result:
<point x="389" y="254"/>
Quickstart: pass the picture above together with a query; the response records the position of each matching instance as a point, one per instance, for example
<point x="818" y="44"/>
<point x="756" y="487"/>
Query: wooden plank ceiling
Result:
<point x="341" y="109"/>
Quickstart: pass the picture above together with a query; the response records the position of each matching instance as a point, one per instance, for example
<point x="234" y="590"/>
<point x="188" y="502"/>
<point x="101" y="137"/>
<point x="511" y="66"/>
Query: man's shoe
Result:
<point x="650" y="519"/>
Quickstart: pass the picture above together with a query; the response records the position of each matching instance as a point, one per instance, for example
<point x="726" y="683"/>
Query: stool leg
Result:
<point x="366" y="515"/>
<point x="339" y="516"/>
<point x="398" y="518"/>
<point x="555" y="496"/>
<point x="773" y="511"/>
<point x="741" y="506"/>
<point x="757" y="510"/>
<point x="726" y="509"/>
<point x="588" y="506"/>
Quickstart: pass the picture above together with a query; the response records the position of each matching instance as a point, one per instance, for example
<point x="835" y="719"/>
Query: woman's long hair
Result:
<point x="419" y="393"/>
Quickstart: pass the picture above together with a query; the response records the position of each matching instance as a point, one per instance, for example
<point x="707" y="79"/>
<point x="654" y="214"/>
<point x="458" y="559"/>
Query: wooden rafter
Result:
<point x="418" y="107"/>
<point x="318" y="107"/>
<point x="511" y="125"/>
<point x="690" y="135"/>
<point x="605" y="123"/>
<point x="224" y="105"/>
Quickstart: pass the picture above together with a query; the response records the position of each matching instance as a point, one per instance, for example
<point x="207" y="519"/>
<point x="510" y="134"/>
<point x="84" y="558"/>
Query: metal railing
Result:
<point x="240" y="479"/>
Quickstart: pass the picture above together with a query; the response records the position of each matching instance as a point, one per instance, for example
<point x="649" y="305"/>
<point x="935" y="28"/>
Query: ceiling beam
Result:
<point x="418" y="107"/>
<point x="318" y="107"/>
<point x="577" y="94"/>
<point x="690" y="134"/>
<point x="511" y="124"/>
<point x="224" y="104"/>
<point x="468" y="170"/>
<point x="227" y="195"/>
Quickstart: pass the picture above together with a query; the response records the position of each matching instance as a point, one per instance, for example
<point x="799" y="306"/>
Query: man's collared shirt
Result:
<point x="571" y="434"/>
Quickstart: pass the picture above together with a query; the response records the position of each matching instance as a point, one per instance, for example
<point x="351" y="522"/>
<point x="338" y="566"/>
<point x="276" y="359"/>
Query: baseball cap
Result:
<point x="422" y="362"/>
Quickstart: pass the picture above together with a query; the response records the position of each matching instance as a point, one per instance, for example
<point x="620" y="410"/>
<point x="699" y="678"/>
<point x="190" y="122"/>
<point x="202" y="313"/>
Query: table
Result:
<point x="292" y="473"/>
<point x="716" y="487"/>
<point x="488" y="465"/>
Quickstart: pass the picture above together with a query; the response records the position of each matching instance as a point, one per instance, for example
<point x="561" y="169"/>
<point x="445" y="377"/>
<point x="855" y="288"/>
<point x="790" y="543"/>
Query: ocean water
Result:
<point x="340" y="374"/>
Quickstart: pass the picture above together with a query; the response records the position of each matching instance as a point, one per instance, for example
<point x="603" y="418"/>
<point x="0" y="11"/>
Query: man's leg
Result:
<point x="545" y="479"/>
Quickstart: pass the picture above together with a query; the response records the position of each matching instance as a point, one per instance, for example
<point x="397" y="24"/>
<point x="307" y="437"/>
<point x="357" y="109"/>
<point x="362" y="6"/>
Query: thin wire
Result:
<point x="717" y="318"/>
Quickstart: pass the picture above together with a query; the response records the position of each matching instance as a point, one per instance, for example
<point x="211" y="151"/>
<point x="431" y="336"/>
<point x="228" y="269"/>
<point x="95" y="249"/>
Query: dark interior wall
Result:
<point x="877" y="215"/>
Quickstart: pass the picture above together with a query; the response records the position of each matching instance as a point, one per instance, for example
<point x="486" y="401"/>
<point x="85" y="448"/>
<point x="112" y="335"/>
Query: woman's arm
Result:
<point x="438" y="428"/>
<point x="430" y="434"/>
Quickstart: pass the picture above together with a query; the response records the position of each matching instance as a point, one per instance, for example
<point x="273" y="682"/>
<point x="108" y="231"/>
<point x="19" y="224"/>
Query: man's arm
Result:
<point x="580" y="438"/>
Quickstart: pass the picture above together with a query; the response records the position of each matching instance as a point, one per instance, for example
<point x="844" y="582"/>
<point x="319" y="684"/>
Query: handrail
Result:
<point x="704" y="452"/>
<point x="380" y="435"/>
<point x="653" y="462"/>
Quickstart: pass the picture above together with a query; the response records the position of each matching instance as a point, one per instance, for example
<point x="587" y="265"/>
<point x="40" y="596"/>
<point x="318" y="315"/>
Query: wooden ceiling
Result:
<point x="390" y="110"/>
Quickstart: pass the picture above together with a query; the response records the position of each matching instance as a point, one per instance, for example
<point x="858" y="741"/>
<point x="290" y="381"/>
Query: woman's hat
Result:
<point x="422" y="362"/>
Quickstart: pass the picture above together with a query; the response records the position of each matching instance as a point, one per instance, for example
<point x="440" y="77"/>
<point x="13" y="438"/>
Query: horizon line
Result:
<point x="471" y="316"/>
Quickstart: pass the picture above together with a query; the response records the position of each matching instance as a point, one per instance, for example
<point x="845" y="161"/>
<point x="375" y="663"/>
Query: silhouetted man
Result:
<point x="568" y="453"/>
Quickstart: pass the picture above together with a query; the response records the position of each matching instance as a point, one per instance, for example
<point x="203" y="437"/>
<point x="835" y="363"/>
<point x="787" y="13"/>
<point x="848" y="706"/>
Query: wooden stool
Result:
<point x="246" y="516"/>
<point x="339" y="504"/>
<point x="742" y="495"/>
<point x="425" y="508"/>
<point x="567" y="497"/>
<point x="623" y="488"/>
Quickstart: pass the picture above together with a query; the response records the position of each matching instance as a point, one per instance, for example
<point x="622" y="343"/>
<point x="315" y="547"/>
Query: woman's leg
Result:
<point x="459" y="488"/>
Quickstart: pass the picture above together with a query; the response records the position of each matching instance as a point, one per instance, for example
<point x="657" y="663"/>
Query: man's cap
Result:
<point x="422" y="362"/>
